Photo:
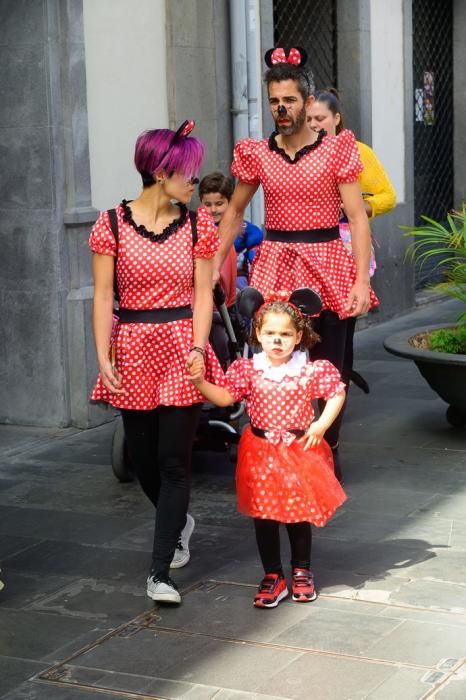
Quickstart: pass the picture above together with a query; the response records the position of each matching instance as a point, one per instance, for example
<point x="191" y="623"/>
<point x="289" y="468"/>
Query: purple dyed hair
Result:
<point x="155" y="151"/>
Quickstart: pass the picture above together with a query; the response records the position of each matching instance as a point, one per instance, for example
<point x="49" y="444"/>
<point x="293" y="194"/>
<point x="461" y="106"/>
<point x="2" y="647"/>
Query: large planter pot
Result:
<point x="444" y="372"/>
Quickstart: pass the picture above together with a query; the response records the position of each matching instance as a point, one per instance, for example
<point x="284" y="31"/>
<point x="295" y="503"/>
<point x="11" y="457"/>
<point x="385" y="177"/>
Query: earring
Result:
<point x="161" y="180"/>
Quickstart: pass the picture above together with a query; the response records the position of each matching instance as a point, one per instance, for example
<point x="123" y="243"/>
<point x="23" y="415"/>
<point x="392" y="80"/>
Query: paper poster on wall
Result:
<point x="429" y="100"/>
<point x="419" y="105"/>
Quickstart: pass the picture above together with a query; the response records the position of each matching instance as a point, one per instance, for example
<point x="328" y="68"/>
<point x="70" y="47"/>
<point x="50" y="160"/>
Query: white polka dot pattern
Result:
<point x="276" y="481"/>
<point x="301" y="196"/>
<point x="152" y="357"/>
<point x="286" y="404"/>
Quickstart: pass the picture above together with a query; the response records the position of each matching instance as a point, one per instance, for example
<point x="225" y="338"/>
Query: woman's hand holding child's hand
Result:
<point x="196" y="369"/>
<point x="313" y="435"/>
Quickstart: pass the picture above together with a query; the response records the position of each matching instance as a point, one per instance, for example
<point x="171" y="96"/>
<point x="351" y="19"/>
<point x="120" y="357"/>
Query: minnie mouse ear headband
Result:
<point x="182" y="132"/>
<point x="305" y="300"/>
<point x="296" y="56"/>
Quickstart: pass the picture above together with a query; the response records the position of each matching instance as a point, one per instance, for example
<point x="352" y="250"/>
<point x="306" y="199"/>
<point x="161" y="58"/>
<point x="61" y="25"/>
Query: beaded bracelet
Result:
<point x="196" y="348"/>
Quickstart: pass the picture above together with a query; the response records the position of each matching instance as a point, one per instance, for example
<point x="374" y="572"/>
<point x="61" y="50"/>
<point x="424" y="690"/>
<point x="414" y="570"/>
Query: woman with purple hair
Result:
<point x="160" y="263"/>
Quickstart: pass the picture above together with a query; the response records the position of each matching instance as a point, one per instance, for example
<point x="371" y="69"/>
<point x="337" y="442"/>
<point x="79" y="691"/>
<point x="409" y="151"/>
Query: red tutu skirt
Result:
<point x="287" y="484"/>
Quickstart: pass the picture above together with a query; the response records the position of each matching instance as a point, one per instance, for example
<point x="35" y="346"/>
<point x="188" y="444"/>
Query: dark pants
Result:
<point x="336" y="346"/>
<point x="268" y="543"/>
<point x="159" y="445"/>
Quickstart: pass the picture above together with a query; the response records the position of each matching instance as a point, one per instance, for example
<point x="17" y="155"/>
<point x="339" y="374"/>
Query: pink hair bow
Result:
<point x="279" y="56"/>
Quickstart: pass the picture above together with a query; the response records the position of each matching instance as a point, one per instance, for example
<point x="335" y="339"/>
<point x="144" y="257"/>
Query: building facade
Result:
<point x="81" y="79"/>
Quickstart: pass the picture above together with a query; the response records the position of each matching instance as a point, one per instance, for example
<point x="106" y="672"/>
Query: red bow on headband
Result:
<point x="185" y="129"/>
<point x="284" y="296"/>
<point x="281" y="295"/>
<point x="279" y="56"/>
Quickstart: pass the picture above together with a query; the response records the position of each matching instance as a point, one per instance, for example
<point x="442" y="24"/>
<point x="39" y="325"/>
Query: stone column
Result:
<point x="46" y="358"/>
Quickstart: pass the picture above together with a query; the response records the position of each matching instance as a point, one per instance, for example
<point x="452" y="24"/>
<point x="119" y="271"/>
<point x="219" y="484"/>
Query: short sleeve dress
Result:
<point x="155" y="271"/>
<point x="276" y="478"/>
<point x="302" y="194"/>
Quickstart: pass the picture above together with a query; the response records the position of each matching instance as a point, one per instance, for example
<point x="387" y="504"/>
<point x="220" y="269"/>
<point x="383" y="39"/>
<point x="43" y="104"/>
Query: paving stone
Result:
<point x="31" y="635"/>
<point x="45" y="691"/>
<point x="421" y="643"/>
<point x="11" y="544"/>
<point x="240" y="695"/>
<point x="22" y="590"/>
<point x="326" y="678"/>
<point x="403" y="684"/>
<point x="96" y="600"/>
<point x="158" y="653"/>
<point x="348" y="632"/>
<point x="15" y="671"/>
<point x="231" y="613"/>
<point x="419" y="614"/>
<point x="437" y="595"/>
<point x="455" y="689"/>
<point x="64" y="525"/>
<point x="81" y="561"/>
<point x="352" y="525"/>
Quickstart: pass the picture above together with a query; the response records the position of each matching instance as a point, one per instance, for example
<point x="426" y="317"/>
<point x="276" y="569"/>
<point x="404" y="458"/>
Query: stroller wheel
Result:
<point x="120" y="459"/>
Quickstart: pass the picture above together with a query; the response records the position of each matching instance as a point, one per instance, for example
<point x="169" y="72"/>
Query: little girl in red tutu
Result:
<point x="285" y="467"/>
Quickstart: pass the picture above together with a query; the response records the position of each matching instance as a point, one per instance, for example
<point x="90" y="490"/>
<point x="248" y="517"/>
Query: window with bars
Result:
<point x="433" y="114"/>
<point x="313" y="26"/>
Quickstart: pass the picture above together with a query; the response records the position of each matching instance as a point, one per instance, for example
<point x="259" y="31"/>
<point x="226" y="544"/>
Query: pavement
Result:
<point x="390" y="619"/>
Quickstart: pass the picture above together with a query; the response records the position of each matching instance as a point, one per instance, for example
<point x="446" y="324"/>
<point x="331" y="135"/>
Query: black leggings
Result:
<point x="159" y="445"/>
<point x="336" y="346"/>
<point x="268" y="543"/>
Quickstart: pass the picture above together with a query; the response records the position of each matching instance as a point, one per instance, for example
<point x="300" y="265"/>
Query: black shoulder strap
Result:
<point x="193" y="217"/>
<point x="112" y="215"/>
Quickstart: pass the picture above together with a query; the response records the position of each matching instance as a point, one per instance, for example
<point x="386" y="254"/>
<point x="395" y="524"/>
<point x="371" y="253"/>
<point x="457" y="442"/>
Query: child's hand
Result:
<point x="196" y="370"/>
<point x="313" y="435"/>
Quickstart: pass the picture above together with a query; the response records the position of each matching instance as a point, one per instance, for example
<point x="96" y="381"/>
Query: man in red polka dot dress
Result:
<point x="306" y="176"/>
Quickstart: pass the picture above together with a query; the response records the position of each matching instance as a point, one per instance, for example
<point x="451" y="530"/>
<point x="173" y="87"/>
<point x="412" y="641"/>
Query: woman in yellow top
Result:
<point x="377" y="191"/>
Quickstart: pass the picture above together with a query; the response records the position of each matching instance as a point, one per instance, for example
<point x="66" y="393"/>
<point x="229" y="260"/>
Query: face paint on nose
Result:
<point x="277" y="341"/>
<point x="281" y="111"/>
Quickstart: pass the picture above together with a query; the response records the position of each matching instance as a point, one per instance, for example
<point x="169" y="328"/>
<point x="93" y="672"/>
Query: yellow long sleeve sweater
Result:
<point x="375" y="182"/>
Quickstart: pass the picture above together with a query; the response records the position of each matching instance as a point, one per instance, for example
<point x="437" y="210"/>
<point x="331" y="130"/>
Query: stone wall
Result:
<point x="44" y="172"/>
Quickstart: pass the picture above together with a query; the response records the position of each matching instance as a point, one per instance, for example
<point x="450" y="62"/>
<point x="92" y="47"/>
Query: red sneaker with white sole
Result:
<point x="302" y="586"/>
<point x="272" y="590"/>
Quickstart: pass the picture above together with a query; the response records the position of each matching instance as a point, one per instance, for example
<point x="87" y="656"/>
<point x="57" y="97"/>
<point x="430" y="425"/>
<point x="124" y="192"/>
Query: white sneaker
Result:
<point x="181" y="556"/>
<point x="162" y="589"/>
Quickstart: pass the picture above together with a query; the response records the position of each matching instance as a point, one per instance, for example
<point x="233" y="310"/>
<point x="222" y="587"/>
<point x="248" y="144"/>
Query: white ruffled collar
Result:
<point x="292" y="368"/>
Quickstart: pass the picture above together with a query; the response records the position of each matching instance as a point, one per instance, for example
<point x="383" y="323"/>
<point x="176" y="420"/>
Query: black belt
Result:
<point x="261" y="433"/>
<point x="313" y="235"/>
<point x="155" y="315"/>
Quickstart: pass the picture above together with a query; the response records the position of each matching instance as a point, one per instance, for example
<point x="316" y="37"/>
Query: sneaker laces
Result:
<point x="163" y="578"/>
<point x="302" y="579"/>
<point x="179" y="545"/>
<point x="268" y="583"/>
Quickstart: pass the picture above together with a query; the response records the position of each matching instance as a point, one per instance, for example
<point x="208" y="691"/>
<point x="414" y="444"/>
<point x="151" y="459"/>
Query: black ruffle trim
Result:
<point x="299" y="154"/>
<point x="155" y="237"/>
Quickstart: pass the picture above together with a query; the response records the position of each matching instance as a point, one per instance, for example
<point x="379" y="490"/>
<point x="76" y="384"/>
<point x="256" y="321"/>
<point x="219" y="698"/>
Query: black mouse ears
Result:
<point x="304" y="299"/>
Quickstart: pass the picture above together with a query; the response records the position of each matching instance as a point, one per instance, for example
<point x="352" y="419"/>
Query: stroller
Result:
<point x="218" y="429"/>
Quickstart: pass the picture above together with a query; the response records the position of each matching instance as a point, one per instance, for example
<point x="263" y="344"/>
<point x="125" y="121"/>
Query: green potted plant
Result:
<point x="439" y="351"/>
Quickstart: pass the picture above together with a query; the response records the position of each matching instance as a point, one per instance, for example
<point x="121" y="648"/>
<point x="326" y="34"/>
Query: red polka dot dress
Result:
<point x="152" y="274"/>
<point x="276" y="478"/>
<point x="300" y="195"/>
